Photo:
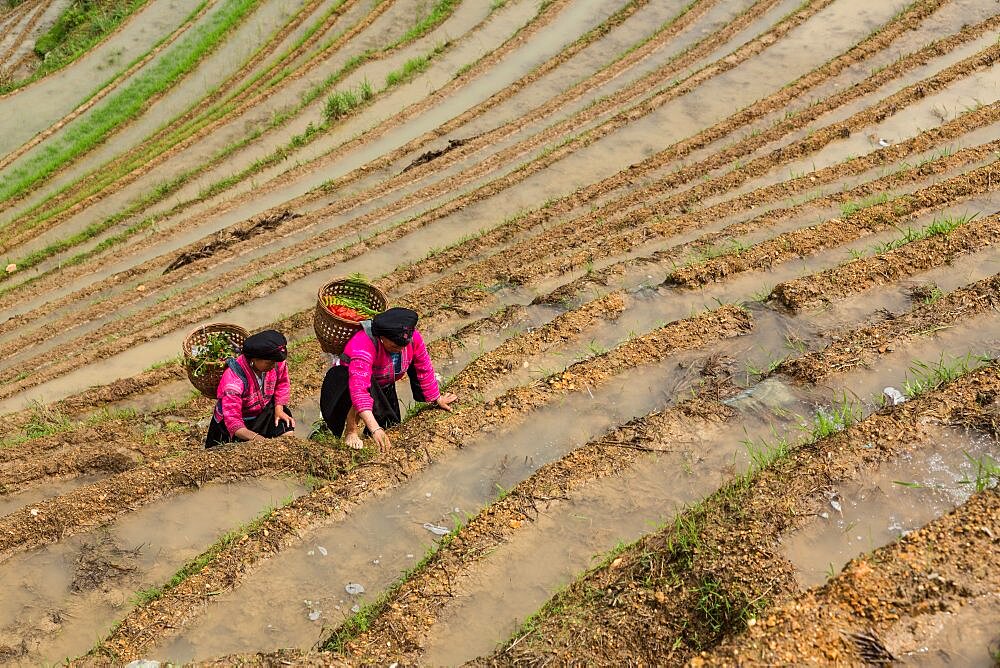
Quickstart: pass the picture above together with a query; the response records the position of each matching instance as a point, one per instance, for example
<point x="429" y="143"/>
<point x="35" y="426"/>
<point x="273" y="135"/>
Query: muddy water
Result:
<point x="385" y="29"/>
<point x="968" y="93"/>
<point x="579" y="68"/>
<point x="52" y="488"/>
<point x="572" y="22"/>
<point x="968" y="636"/>
<point x="385" y="536"/>
<point x="36" y="107"/>
<point x="598" y="55"/>
<point x="215" y="224"/>
<point x="396" y="258"/>
<point x="499" y="591"/>
<point x="461" y="26"/>
<point x="296" y="296"/>
<point x="492" y="34"/>
<point x="550" y="85"/>
<point x="519" y="576"/>
<point x="896" y="298"/>
<point x="576" y="19"/>
<point x="961" y="344"/>
<point x="900" y="127"/>
<point x="245" y="39"/>
<point x="60" y="598"/>
<point x="878" y="507"/>
<point x="926" y="113"/>
<point x="417" y="239"/>
<point x="801" y="50"/>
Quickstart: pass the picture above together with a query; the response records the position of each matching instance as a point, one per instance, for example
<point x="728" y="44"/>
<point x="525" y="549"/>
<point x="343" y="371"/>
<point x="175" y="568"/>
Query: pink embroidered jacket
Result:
<point x="238" y="403"/>
<point x="368" y="363"/>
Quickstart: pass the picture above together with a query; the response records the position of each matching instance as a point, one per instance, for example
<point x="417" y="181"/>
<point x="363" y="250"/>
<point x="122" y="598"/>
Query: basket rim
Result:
<point x="213" y="327"/>
<point x="347" y="279"/>
<point x="324" y="312"/>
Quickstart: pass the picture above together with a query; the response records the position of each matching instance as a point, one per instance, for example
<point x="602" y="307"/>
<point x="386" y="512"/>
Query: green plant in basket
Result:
<point x="213" y="353"/>
<point x="349" y="307"/>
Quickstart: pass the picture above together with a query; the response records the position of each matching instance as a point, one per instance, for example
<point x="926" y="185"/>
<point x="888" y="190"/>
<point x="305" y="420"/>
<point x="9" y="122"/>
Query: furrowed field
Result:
<point x="669" y="254"/>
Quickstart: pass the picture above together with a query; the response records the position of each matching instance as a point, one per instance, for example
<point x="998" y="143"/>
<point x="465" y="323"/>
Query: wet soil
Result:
<point x="889" y="267"/>
<point x="426" y="436"/>
<point x="681" y="590"/>
<point x="95" y="504"/>
<point x="671" y="147"/>
<point x="856" y="346"/>
<point x="58" y="597"/>
<point x="936" y="571"/>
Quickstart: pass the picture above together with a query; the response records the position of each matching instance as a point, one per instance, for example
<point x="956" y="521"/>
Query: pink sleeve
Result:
<point x="425" y="369"/>
<point x="361" y="350"/>
<point x="282" y="386"/>
<point x="230" y="394"/>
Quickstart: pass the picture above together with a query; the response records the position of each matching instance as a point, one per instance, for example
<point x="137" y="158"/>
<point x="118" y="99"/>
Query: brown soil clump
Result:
<point x="889" y="267"/>
<point x="941" y="567"/>
<point x="857" y="346"/>
<point x="100" y="562"/>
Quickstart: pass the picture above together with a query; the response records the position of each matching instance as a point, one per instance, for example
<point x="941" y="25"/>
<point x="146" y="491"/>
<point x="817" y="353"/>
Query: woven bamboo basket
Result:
<point x="207" y="381"/>
<point x="333" y="332"/>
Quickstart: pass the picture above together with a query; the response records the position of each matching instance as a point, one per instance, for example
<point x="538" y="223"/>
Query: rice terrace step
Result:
<point x="698" y="303"/>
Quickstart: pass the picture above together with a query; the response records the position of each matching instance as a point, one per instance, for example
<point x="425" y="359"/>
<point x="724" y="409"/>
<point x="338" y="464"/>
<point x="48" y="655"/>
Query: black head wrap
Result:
<point x="266" y="345"/>
<point x="397" y="324"/>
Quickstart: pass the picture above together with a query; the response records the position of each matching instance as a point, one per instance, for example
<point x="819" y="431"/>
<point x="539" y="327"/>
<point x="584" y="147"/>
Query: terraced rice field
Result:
<point x="668" y="254"/>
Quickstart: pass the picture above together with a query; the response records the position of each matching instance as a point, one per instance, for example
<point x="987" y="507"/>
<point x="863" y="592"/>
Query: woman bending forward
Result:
<point x="253" y="393"/>
<point x="387" y="348"/>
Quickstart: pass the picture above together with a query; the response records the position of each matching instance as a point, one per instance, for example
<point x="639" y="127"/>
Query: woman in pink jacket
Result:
<point x="387" y="348"/>
<point x="253" y="393"/>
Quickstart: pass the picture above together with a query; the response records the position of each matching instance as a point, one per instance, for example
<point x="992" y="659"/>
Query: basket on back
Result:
<point x="334" y="332"/>
<point x="206" y="374"/>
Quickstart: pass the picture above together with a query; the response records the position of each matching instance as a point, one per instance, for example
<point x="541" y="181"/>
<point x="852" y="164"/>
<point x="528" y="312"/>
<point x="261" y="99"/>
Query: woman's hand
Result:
<point x="245" y="434"/>
<point x="446" y="400"/>
<point x="280" y="415"/>
<point x="381" y="438"/>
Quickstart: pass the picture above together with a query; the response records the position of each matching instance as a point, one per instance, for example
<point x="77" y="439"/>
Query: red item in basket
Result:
<point x="345" y="312"/>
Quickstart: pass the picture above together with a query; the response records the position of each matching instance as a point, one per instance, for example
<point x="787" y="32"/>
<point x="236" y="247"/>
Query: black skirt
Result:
<point x="262" y="424"/>
<point x="335" y="399"/>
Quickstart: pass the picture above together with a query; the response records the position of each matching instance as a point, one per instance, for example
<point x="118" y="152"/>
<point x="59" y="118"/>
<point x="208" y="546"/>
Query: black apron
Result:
<point x="335" y="399"/>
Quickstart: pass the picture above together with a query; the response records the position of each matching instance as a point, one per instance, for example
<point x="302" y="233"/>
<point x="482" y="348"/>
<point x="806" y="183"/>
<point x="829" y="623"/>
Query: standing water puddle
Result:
<point x="58" y="599"/>
<point x="500" y="591"/>
<point x="968" y="637"/>
<point x="52" y="488"/>
<point x="880" y="506"/>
